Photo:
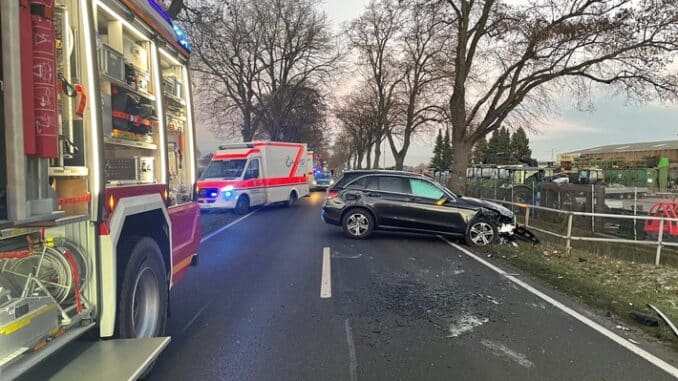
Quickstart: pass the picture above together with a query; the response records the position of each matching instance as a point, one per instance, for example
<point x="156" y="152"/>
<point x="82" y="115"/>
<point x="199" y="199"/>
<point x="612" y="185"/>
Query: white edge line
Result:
<point x="663" y="365"/>
<point x="221" y="229"/>
<point x="352" y="360"/>
<point x="195" y="317"/>
<point x="326" y="275"/>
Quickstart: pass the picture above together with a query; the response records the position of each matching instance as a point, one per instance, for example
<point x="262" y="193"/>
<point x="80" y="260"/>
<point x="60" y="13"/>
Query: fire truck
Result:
<point x="98" y="219"/>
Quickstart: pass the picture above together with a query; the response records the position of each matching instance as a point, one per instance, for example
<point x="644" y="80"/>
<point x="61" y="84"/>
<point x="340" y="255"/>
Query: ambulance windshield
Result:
<point x="224" y="169"/>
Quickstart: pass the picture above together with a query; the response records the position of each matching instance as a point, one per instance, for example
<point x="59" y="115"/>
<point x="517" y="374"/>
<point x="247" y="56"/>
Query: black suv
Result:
<point x="364" y="201"/>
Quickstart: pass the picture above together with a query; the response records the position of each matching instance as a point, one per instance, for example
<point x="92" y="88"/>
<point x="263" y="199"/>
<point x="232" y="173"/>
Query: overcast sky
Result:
<point x="611" y="121"/>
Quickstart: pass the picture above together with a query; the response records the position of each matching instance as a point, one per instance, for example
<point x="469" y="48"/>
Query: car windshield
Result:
<point x="224" y="169"/>
<point x="321" y="175"/>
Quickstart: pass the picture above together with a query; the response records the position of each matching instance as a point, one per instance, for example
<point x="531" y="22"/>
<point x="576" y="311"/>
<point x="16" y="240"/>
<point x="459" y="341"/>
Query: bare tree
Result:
<point x="509" y="60"/>
<point x="359" y="120"/>
<point x="298" y="53"/>
<point x="373" y="35"/>
<point x="421" y="65"/>
<point x="227" y="48"/>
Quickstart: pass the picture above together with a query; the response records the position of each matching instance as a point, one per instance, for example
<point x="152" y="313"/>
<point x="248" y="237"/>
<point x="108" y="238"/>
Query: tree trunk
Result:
<point x="400" y="161"/>
<point x="462" y="157"/>
<point x="377" y="154"/>
<point x="369" y="158"/>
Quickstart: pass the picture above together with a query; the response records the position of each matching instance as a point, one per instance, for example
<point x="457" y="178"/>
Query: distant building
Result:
<point x="630" y="155"/>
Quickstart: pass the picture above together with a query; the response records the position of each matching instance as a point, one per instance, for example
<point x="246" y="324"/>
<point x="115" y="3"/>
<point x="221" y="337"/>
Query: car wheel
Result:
<point x="482" y="232"/>
<point x="292" y="200"/>
<point x="242" y="207"/>
<point x="358" y="224"/>
<point x="142" y="311"/>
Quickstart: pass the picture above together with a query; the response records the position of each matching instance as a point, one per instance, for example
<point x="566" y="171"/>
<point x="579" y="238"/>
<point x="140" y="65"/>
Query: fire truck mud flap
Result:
<point x="104" y="360"/>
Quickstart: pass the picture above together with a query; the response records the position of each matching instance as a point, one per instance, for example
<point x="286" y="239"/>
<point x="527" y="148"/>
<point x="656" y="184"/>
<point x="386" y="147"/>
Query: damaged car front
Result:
<point x="504" y="221"/>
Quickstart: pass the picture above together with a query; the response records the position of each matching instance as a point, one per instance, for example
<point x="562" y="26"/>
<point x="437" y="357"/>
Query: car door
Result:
<point x="255" y="183"/>
<point x="431" y="209"/>
<point x="387" y="195"/>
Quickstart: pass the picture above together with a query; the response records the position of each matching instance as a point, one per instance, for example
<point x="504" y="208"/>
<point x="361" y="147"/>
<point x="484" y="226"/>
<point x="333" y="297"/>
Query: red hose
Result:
<point x="76" y="279"/>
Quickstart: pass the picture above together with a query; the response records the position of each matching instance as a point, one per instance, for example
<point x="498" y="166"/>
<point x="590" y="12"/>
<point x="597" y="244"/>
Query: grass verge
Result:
<point x="613" y="287"/>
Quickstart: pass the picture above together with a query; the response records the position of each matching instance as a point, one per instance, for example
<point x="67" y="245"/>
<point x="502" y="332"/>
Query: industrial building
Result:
<point x="629" y="155"/>
<point x="654" y="163"/>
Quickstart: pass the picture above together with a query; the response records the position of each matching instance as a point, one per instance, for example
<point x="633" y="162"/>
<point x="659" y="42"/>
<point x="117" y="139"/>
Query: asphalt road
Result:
<point x="401" y="308"/>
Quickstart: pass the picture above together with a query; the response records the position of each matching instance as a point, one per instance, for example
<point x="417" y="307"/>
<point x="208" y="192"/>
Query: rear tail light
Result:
<point x="332" y="194"/>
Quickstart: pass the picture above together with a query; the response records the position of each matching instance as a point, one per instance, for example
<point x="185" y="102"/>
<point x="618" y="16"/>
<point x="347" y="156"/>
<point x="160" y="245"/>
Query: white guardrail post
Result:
<point x="527" y="216"/>
<point x="568" y="244"/>
<point x="660" y="238"/>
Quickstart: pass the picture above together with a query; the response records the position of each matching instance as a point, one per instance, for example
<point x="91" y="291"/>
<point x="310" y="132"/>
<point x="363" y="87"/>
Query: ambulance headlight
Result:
<point x="332" y="182"/>
<point x="315" y="182"/>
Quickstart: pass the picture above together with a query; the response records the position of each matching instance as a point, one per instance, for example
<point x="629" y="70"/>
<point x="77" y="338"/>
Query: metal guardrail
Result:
<point x="569" y="237"/>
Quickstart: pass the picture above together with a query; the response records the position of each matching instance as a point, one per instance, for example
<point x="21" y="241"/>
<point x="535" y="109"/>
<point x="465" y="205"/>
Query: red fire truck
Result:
<point x="97" y="170"/>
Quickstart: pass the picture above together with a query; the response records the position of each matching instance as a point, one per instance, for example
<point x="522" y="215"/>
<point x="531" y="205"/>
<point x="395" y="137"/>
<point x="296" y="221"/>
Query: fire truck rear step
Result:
<point x="104" y="360"/>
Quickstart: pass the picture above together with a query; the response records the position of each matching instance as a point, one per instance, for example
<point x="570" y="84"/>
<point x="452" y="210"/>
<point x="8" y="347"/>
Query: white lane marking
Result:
<point x="326" y="278"/>
<point x="352" y="360"/>
<point x="221" y="229"/>
<point x="661" y="364"/>
<point x="501" y="350"/>
<point x="194" y="317"/>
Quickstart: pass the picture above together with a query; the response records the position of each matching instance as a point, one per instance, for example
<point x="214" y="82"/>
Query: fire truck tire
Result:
<point x="242" y="207"/>
<point x="143" y="299"/>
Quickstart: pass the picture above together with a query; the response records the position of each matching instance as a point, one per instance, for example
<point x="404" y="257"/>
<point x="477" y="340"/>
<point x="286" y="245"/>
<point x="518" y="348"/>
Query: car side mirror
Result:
<point x="442" y="201"/>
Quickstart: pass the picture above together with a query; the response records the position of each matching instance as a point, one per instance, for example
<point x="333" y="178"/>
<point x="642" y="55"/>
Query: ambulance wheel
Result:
<point x="144" y="294"/>
<point x="293" y="199"/>
<point x="242" y="207"/>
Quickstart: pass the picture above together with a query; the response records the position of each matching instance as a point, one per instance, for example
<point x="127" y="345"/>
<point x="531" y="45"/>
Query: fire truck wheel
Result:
<point x="292" y="200"/>
<point x="242" y="207"/>
<point x="142" y="311"/>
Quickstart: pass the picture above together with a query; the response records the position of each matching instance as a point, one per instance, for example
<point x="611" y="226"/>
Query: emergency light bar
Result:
<point x="236" y="146"/>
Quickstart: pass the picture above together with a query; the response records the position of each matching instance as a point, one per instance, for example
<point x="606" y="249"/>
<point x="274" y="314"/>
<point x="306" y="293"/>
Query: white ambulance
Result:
<point x="244" y="175"/>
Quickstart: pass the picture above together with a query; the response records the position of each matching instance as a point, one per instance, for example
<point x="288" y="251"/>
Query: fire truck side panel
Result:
<point x="125" y="211"/>
<point x="185" y="220"/>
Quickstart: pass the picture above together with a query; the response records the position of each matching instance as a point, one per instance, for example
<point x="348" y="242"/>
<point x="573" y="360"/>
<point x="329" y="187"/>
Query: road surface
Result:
<point x="395" y="308"/>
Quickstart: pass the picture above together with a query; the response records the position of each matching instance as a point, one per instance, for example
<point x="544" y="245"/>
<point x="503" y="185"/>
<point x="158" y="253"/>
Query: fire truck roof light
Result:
<point x="124" y="22"/>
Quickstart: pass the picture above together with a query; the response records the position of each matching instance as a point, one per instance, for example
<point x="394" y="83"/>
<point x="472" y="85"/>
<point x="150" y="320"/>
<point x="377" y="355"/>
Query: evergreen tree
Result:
<point x="520" y="146"/>
<point x="437" y="161"/>
<point x="447" y="152"/>
<point x="480" y="151"/>
<point x="499" y="147"/>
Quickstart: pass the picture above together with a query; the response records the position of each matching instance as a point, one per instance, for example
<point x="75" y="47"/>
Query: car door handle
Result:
<point x="372" y="194"/>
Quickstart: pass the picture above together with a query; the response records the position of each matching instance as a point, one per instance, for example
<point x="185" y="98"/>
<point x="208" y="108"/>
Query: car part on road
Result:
<point x="242" y="207"/>
<point x="644" y="319"/>
<point x="358" y="224"/>
<point x="482" y="232"/>
<point x="665" y="318"/>
<point x="144" y="294"/>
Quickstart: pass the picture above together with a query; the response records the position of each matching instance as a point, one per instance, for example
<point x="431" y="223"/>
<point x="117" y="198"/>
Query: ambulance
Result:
<point x="244" y="175"/>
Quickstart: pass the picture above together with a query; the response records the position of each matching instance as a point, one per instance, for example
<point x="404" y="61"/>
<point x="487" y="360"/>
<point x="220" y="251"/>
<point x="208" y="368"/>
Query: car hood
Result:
<point x="488" y="205"/>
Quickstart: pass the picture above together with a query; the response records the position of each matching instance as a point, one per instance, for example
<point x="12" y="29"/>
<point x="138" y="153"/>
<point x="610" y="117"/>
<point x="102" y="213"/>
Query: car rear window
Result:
<point x="388" y="184"/>
<point x="347" y="178"/>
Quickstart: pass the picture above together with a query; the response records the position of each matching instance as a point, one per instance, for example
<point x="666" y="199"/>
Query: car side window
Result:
<point x="252" y="171"/>
<point x="421" y="188"/>
<point x="390" y="184"/>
